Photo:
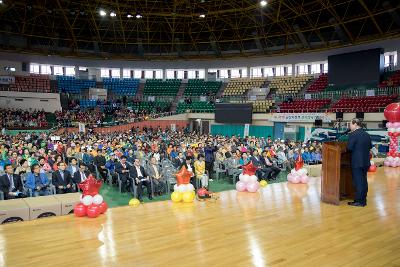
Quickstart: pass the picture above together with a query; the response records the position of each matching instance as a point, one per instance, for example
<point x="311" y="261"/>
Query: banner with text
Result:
<point x="7" y="79"/>
<point x="300" y="117"/>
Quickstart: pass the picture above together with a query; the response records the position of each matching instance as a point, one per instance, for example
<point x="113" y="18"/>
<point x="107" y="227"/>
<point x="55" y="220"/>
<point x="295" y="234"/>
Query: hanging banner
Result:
<point x="203" y="98"/>
<point x="307" y="96"/>
<point x="173" y="127"/>
<point x="7" y="79"/>
<point x="246" y="131"/>
<point x="300" y="117"/>
<point x="81" y="127"/>
<point x="307" y="133"/>
<point x="370" y="93"/>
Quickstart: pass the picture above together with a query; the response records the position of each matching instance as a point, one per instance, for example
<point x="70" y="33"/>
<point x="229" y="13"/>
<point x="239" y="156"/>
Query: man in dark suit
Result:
<point x="140" y="178"/>
<point x="256" y="160"/>
<point x="11" y="184"/>
<point x="179" y="160"/>
<point x="100" y="162"/>
<point x="62" y="179"/>
<point x="359" y="145"/>
<point x="122" y="168"/>
<point x="81" y="175"/>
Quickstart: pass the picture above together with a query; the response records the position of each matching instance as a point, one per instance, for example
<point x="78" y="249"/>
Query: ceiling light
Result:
<point x="138" y="16"/>
<point x="129" y="16"/>
<point x="202" y="16"/>
<point x="1" y="1"/>
<point x="112" y="14"/>
<point x="263" y="3"/>
<point x="102" y="13"/>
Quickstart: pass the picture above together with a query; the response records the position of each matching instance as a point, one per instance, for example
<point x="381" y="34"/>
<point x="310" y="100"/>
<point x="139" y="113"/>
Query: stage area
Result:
<point x="282" y="225"/>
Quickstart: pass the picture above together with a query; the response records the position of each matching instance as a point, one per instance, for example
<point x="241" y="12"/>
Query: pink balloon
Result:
<point x="241" y="186"/>
<point x="386" y="163"/>
<point x="295" y="179"/>
<point x="395" y="124"/>
<point x="389" y="125"/>
<point x="304" y="179"/>
<point x="253" y="187"/>
<point x="289" y="177"/>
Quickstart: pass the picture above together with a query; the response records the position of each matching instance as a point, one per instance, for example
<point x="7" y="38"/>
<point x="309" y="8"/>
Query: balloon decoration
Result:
<point x="392" y="114"/>
<point x="92" y="203"/>
<point x="299" y="163"/>
<point x="249" y="169"/>
<point x="134" y="202"/>
<point x="183" y="190"/>
<point x="263" y="183"/>
<point x="298" y="175"/>
<point x="247" y="183"/>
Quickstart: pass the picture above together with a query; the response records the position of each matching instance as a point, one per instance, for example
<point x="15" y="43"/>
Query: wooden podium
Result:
<point x="336" y="183"/>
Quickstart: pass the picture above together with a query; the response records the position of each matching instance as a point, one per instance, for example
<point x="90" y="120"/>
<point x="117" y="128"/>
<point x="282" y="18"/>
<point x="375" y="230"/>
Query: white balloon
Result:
<point x="293" y="171"/>
<point x="397" y="159"/>
<point x="391" y="130"/>
<point x="245" y="178"/>
<point x="303" y="171"/>
<point x="398" y="130"/>
<point x="182" y="188"/>
<point x="241" y="177"/>
<point x="97" y="199"/>
<point x="372" y="162"/>
<point x="80" y="198"/>
<point x="389" y="158"/>
<point x="87" y="200"/>
<point x="191" y="187"/>
<point x="253" y="179"/>
<point x="176" y="188"/>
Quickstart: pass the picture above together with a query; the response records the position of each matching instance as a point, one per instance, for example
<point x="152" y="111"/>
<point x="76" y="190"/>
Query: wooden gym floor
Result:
<point x="282" y="225"/>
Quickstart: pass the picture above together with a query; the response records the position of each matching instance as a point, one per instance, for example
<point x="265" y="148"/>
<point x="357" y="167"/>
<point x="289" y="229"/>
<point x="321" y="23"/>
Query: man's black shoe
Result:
<point x="356" y="204"/>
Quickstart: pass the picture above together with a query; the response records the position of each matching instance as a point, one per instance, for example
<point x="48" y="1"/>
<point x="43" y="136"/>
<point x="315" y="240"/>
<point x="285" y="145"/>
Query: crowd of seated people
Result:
<point x="40" y="165"/>
<point x="17" y="118"/>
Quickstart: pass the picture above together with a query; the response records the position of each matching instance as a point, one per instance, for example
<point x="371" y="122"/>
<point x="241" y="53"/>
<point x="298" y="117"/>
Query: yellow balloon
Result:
<point x="188" y="197"/>
<point x="176" y="197"/>
<point x="263" y="183"/>
<point x="134" y="202"/>
<point x="194" y="194"/>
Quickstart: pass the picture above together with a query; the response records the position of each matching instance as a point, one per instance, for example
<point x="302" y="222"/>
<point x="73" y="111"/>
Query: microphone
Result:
<point x="343" y="134"/>
<point x="346" y="132"/>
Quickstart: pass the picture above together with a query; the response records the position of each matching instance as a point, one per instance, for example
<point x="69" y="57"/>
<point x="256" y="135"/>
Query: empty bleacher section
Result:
<point x="72" y="85"/>
<point x="362" y="104"/>
<point x="157" y="87"/>
<point x="319" y="84"/>
<point x="31" y="83"/>
<point x="289" y="85"/>
<point x="392" y="80"/>
<point x="242" y="85"/>
<point x="127" y="86"/>
<point x="197" y="106"/>
<point x="259" y="106"/>
<point x="150" y="106"/>
<point x="200" y="87"/>
<point x="303" y="105"/>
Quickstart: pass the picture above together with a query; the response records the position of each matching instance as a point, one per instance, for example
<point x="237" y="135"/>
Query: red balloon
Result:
<point x="80" y="210"/>
<point x="392" y="112"/>
<point x="372" y="168"/>
<point x="183" y="176"/>
<point x="93" y="211"/>
<point x="103" y="207"/>
<point x="91" y="186"/>
<point x="202" y="192"/>
<point x="299" y="163"/>
<point x="249" y="169"/>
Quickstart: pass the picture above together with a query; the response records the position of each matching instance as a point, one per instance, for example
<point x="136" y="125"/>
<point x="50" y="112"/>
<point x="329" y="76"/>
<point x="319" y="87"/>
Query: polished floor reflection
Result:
<point x="282" y="225"/>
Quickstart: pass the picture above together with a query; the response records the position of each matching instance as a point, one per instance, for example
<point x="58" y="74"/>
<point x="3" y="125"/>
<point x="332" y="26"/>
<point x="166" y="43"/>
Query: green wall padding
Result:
<point x="301" y="133"/>
<point x="261" y="131"/>
<point x="227" y="129"/>
<point x="15" y="132"/>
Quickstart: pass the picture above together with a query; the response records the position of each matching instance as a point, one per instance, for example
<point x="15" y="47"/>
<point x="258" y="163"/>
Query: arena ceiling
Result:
<point x="201" y="29"/>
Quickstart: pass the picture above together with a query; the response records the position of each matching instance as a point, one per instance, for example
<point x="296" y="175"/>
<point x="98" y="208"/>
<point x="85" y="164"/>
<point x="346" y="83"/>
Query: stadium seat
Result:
<point x="126" y="86"/>
<point x="198" y="106"/>
<point x="72" y="85"/>
<point x="289" y="85"/>
<point x="362" y="104"/>
<point x="319" y="84"/>
<point x="31" y="83"/>
<point x="200" y="87"/>
<point x="157" y="87"/>
<point x="303" y="105"/>
<point x="240" y="86"/>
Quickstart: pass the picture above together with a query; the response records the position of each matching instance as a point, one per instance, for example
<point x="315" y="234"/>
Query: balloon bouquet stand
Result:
<point x="248" y="181"/>
<point x="392" y="114"/>
<point x="298" y="175"/>
<point x="92" y="203"/>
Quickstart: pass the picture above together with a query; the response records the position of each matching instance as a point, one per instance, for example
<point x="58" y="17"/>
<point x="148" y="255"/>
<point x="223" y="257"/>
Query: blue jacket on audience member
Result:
<point x="30" y="180"/>
<point x="306" y="157"/>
